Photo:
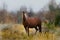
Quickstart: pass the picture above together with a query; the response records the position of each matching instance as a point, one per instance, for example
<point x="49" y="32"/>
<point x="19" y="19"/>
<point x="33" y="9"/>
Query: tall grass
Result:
<point x="50" y="27"/>
<point x="8" y="34"/>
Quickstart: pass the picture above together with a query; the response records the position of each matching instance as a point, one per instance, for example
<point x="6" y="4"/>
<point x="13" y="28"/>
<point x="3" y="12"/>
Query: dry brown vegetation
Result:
<point x="17" y="32"/>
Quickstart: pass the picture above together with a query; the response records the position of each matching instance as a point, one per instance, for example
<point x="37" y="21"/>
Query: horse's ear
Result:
<point x="23" y="12"/>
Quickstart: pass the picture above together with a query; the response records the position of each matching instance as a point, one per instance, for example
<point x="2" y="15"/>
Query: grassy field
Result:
<point x="17" y="32"/>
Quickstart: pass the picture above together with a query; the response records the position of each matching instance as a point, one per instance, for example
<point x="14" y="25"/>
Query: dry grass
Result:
<point x="17" y="32"/>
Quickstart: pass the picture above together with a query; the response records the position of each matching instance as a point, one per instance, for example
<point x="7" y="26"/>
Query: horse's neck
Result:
<point x="26" y="16"/>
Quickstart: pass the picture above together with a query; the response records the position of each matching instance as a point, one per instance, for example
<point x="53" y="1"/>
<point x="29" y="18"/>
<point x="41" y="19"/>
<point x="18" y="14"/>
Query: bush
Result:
<point x="57" y="20"/>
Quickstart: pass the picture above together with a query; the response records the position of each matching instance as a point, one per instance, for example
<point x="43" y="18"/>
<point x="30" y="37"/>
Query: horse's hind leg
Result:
<point x="40" y="29"/>
<point x="36" y="30"/>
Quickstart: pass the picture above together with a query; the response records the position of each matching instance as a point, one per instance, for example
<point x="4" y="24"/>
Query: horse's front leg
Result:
<point x="27" y="30"/>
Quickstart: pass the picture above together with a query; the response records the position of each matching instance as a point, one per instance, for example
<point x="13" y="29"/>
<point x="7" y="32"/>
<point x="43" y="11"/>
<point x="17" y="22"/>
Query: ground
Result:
<point x="17" y="32"/>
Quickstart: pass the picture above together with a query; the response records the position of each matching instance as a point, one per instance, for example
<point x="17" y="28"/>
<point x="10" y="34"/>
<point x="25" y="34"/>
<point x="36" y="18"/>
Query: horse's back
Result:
<point x="33" y="20"/>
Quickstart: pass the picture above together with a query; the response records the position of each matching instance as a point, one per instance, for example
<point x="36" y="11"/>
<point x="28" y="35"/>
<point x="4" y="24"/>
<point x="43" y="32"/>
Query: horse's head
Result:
<point x="24" y="16"/>
<point x="23" y="12"/>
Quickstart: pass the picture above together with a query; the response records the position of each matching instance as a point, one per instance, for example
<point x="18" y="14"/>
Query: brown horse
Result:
<point x="31" y="22"/>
